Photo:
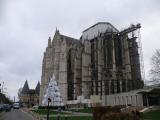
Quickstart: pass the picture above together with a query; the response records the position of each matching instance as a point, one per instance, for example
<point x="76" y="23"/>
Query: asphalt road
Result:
<point x="16" y="115"/>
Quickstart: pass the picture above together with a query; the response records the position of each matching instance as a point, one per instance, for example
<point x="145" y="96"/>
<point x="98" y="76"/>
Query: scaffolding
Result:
<point x="135" y="32"/>
<point x="118" y="84"/>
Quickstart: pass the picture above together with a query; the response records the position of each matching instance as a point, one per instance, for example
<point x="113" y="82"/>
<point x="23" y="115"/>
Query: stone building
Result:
<point x="29" y="97"/>
<point x="103" y="61"/>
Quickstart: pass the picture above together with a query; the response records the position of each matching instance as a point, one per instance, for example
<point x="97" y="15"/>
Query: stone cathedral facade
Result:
<point x="103" y="61"/>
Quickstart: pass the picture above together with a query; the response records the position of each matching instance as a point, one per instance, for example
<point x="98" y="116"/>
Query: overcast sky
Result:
<point x="25" y="26"/>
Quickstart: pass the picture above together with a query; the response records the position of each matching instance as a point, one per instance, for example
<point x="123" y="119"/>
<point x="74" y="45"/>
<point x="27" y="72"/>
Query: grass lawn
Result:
<point x="74" y="118"/>
<point x="44" y="112"/>
<point x="85" y="110"/>
<point x="152" y="115"/>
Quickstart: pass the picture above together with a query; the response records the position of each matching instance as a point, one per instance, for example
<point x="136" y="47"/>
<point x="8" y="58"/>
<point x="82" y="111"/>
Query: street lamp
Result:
<point x="49" y="100"/>
<point x="0" y="88"/>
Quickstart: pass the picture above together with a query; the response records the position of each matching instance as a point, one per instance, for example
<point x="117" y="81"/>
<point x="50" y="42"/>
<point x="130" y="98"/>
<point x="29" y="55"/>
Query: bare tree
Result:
<point x="19" y="92"/>
<point x="155" y="67"/>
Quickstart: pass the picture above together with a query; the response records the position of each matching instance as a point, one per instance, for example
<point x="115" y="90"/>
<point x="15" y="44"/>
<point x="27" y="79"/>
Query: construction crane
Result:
<point x="130" y="29"/>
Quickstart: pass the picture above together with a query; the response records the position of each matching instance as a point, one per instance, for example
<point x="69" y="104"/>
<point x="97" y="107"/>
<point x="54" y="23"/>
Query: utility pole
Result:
<point x="14" y="99"/>
<point x="49" y="100"/>
<point x="0" y="93"/>
<point x="0" y="88"/>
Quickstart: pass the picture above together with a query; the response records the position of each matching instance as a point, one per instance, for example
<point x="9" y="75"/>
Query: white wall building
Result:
<point x="142" y="97"/>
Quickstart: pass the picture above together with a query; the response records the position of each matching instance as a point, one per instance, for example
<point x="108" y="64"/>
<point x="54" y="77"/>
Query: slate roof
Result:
<point x="32" y="91"/>
<point x="107" y="23"/>
<point x="97" y="29"/>
<point x="37" y="90"/>
<point x="70" y="40"/>
<point x="26" y="90"/>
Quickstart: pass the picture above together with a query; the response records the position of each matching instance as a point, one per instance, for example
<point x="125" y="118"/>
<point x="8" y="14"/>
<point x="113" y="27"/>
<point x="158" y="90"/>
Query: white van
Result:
<point x="16" y="106"/>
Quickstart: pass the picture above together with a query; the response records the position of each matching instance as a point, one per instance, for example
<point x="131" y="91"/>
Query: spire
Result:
<point x="25" y="88"/>
<point x="57" y="32"/>
<point x="49" y="42"/>
<point x="37" y="88"/>
<point x="57" y="36"/>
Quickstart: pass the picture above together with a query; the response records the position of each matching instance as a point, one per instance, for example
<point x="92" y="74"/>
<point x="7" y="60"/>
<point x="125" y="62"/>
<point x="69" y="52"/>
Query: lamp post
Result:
<point x="49" y="100"/>
<point x="0" y="88"/>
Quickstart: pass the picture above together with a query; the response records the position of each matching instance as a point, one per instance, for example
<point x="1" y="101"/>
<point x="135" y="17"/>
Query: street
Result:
<point x="15" y="114"/>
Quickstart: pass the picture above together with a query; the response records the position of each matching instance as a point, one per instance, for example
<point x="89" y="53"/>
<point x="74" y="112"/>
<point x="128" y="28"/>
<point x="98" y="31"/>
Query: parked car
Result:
<point x="6" y="107"/>
<point x="35" y="107"/>
<point x="16" y="106"/>
<point x="1" y="107"/>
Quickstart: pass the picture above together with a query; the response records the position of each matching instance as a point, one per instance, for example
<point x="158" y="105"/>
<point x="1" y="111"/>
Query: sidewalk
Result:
<point x="33" y="114"/>
<point x="1" y="114"/>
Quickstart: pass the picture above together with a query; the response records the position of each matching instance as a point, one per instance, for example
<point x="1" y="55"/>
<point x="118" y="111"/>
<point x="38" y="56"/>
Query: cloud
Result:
<point x="27" y="24"/>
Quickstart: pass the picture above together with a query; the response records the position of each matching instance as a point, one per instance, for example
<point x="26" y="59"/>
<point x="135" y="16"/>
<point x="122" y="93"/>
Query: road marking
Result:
<point x="27" y="114"/>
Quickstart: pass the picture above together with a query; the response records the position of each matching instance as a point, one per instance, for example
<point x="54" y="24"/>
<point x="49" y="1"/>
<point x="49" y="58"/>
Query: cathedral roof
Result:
<point x="70" y="40"/>
<point x="95" y="30"/>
